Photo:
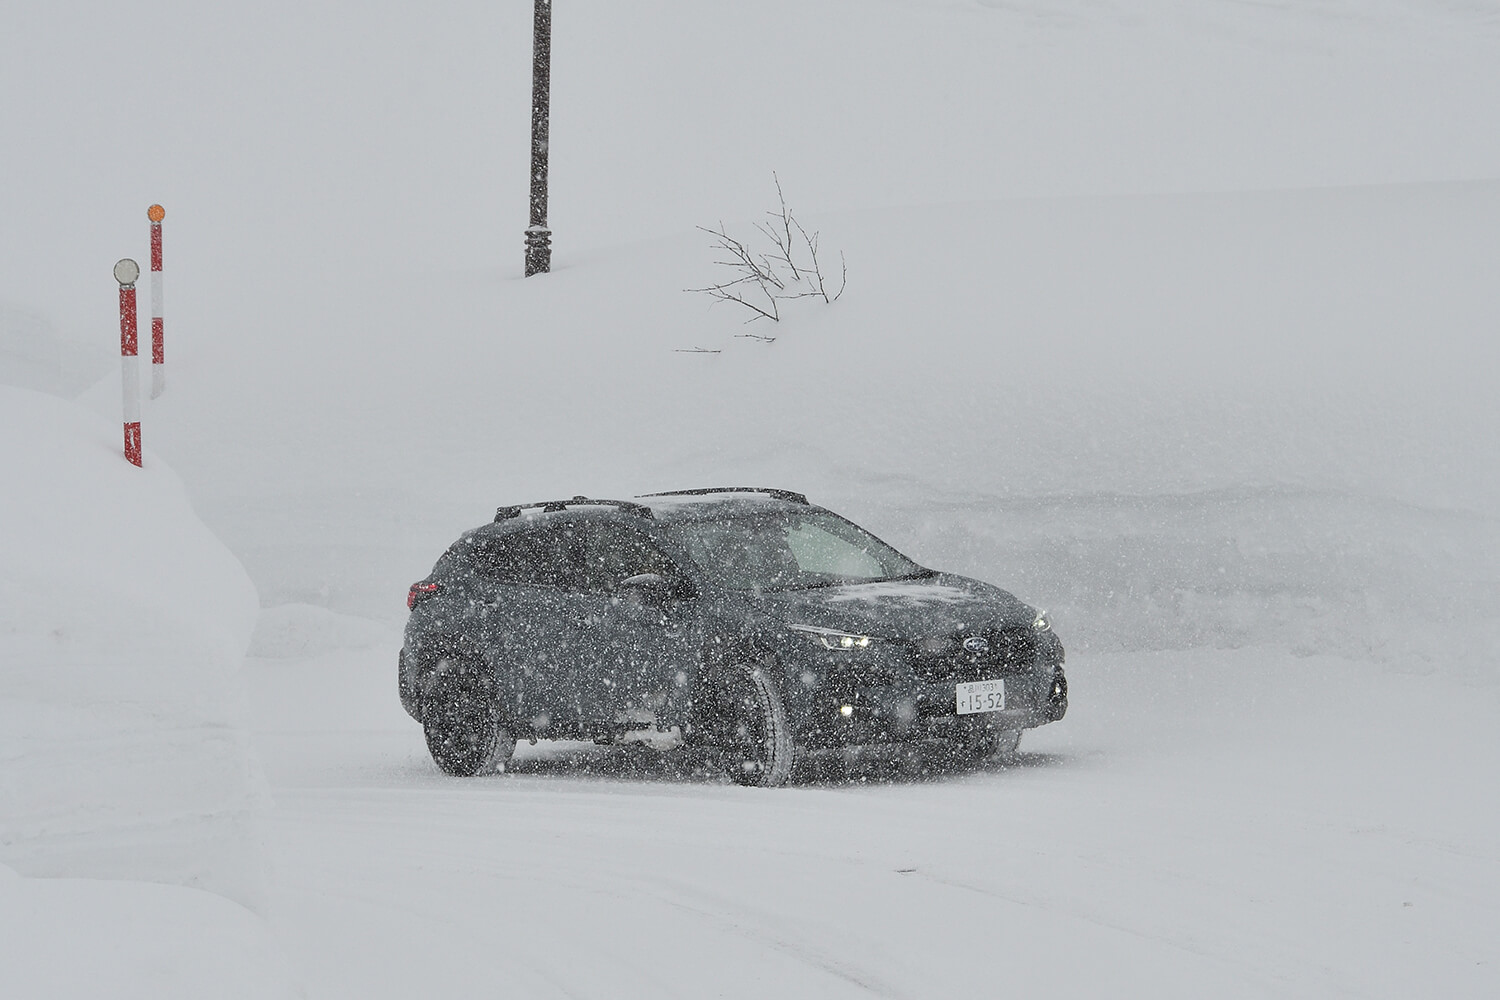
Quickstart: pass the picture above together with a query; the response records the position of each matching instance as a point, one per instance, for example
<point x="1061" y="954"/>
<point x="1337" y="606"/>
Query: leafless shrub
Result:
<point x="790" y="269"/>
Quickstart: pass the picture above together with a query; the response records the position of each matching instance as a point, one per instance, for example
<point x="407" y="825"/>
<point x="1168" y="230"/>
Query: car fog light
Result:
<point x="846" y="710"/>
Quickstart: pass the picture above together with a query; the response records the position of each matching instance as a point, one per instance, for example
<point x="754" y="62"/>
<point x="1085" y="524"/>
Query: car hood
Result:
<point x="942" y="604"/>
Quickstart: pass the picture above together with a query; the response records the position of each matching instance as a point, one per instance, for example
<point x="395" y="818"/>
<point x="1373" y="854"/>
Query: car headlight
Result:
<point x="1040" y="622"/>
<point x="830" y="638"/>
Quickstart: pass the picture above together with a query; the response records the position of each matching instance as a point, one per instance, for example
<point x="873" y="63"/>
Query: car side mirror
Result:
<point x="656" y="589"/>
<point x="648" y="588"/>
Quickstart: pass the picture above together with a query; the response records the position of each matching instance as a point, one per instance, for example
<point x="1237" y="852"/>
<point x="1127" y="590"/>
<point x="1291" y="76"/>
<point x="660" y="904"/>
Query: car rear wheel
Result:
<point x="405" y="688"/>
<point x="750" y="727"/>
<point x="461" y="720"/>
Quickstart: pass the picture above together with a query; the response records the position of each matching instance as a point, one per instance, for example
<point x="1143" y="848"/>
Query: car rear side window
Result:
<point x="538" y="557"/>
<point x="614" y="552"/>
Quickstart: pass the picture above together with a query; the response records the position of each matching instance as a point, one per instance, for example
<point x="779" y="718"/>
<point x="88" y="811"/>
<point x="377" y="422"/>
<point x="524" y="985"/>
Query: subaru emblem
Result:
<point x="977" y="644"/>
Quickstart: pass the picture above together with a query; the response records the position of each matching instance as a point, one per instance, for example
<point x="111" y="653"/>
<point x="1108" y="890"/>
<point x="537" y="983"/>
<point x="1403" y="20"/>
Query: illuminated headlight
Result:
<point x="1040" y="622"/>
<point x="832" y="638"/>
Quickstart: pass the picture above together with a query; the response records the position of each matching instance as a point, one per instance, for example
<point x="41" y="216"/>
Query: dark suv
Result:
<point x="745" y="623"/>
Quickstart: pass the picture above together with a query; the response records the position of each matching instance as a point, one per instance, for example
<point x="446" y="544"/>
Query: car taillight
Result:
<point x="419" y="591"/>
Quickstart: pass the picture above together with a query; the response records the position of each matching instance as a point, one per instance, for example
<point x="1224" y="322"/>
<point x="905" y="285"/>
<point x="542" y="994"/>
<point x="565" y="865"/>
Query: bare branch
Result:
<point x="786" y="228"/>
<point x="722" y="294"/>
<point x="781" y="235"/>
<point x="771" y="275"/>
<point x="811" y="242"/>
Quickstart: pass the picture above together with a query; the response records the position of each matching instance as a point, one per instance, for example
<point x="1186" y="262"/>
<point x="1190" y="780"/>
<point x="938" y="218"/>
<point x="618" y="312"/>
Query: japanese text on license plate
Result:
<point x="981" y="696"/>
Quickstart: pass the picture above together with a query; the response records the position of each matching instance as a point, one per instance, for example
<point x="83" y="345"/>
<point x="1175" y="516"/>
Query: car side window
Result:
<point x="614" y="552"/>
<point x="545" y="557"/>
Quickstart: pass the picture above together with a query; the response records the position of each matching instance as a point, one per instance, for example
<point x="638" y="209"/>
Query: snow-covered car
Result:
<point x="746" y="623"/>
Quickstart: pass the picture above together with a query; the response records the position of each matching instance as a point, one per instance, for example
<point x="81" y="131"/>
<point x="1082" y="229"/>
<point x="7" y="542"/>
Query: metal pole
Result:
<point x="538" y="236"/>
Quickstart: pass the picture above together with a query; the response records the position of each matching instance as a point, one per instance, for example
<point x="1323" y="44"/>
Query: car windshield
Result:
<point x="791" y="551"/>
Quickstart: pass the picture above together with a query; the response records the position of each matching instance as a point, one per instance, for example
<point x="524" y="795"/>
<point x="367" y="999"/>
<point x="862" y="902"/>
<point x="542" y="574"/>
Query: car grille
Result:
<point x="1011" y="649"/>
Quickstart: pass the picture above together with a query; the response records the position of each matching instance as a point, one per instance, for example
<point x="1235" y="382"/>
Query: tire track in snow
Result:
<point x="725" y="914"/>
<point x="731" y="920"/>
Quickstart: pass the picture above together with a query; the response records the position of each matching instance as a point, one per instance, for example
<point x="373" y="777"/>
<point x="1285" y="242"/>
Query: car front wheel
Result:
<point x="461" y="720"/>
<point x="999" y="745"/>
<point x="749" y="727"/>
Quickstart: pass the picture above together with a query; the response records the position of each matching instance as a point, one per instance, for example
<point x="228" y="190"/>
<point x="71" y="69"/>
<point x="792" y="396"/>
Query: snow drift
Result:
<point x="123" y="624"/>
<point x="75" y="939"/>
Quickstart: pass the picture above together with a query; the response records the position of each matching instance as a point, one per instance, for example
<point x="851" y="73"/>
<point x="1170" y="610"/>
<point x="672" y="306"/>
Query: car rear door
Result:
<point x="535" y="622"/>
<point x="643" y="641"/>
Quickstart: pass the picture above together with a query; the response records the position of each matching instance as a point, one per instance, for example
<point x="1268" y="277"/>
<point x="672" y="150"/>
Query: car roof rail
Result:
<point x="553" y="506"/>
<point x="786" y="495"/>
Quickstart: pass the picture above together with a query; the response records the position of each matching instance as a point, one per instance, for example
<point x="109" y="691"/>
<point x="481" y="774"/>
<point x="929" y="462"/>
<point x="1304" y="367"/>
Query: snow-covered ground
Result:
<point x="128" y="940"/>
<point x="1244" y="823"/>
<point x="1177" y="318"/>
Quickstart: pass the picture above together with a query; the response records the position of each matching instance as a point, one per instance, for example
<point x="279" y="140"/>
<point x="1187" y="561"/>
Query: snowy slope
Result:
<point x="290" y="142"/>
<point x="1217" y="419"/>
<point x="123" y="754"/>
<point x="123" y="622"/>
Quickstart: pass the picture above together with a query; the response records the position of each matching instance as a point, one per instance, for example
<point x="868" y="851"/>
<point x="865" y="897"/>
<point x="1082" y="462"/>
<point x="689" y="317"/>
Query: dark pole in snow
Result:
<point x="538" y="236"/>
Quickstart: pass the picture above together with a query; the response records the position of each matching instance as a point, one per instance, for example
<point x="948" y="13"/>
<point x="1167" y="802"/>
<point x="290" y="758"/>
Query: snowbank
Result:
<point x="80" y="939"/>
<point x="298" y="631"/>
<point x="34" y="355"/>
<point x="123" y="624"/>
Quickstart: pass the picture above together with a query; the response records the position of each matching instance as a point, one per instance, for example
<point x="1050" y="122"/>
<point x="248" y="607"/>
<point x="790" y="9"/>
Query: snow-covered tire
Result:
<point x="998" y="745"/>
<point x="751" y="728"/>
<point x="406" y="690"/>
<point x="461" y="720"/>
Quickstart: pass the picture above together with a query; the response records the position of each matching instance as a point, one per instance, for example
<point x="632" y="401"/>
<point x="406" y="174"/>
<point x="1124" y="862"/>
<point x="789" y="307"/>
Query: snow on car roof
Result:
<point x="682" y="506"/>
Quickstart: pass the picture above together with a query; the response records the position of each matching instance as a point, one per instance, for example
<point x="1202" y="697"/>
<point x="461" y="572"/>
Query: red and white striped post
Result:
<point x="126" y="273"/>
<point x="158" y="349"/>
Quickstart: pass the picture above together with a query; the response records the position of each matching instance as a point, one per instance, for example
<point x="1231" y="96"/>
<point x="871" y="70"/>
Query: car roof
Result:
<point x="693" y="505"/>
<point x="682" y="505"/>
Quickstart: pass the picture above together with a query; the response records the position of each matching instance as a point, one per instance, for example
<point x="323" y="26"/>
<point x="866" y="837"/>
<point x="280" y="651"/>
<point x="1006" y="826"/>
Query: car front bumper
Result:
<point x="909" y="709"/>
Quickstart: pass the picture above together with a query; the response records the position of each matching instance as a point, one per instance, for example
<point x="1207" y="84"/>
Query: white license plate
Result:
<point x="981" y="696"/>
